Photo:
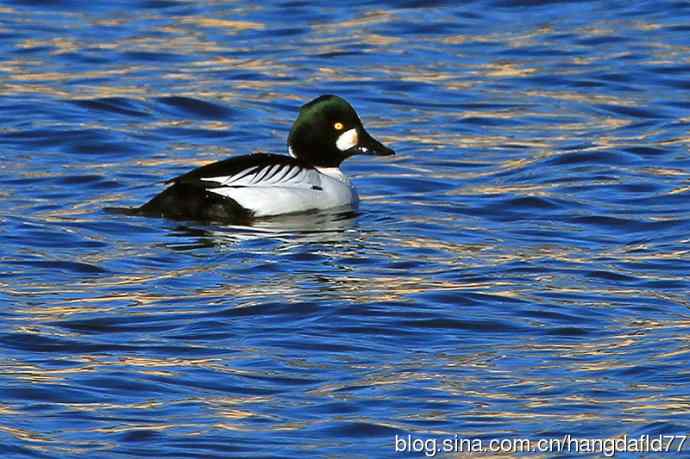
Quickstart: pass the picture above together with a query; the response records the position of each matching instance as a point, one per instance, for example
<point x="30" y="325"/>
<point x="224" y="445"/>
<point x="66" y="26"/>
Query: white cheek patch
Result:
<point x="347" y="140"/>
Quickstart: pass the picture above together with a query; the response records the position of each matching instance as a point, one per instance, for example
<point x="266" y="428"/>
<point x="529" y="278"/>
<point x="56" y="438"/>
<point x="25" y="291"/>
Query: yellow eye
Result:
<point x="338" y="126"/>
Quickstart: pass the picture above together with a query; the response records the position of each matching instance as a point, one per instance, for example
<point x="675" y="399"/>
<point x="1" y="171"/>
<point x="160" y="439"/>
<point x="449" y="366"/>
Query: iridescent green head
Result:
<point x="328" y="131"/>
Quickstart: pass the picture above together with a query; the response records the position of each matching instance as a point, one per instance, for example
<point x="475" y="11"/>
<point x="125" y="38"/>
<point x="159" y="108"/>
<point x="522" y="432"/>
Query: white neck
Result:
<point x="334" y="172"/>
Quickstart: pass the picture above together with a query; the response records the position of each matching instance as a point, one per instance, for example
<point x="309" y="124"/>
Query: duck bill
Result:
<point x="367" y="145"/>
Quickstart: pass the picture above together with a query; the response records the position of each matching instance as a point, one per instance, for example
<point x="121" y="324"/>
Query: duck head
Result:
<point x="328" y="131"/>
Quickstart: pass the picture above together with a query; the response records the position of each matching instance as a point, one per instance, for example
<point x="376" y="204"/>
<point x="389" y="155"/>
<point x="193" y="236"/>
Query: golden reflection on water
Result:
<point x="27" y="435"/>
<point x="5" y="410"/>
<point x="225" y="24"/>
<point x="505" y="69"/>
<point x="584" y="360"/>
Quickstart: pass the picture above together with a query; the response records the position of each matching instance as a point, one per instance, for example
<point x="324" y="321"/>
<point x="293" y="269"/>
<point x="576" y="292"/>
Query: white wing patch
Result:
<point x="276" y="175"/>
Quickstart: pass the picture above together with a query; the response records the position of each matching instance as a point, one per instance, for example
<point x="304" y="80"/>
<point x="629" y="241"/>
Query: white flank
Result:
<point x="312" y="189"/>
<point x="347" y="140"/>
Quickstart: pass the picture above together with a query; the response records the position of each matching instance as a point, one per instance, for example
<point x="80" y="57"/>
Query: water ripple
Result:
<point x="518" y="269"/>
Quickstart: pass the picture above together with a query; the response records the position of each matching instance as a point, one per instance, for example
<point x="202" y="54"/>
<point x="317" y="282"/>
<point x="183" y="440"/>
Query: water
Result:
<point x="518" y="270"/>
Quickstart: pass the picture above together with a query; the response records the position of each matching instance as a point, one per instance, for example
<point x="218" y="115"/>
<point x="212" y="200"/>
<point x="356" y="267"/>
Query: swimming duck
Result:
<point x="326" y="132"/>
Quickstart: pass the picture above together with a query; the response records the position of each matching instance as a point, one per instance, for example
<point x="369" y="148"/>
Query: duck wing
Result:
<point x="255" y="170"/>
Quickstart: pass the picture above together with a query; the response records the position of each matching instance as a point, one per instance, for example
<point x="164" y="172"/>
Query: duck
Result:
<point x="240" y="189"/>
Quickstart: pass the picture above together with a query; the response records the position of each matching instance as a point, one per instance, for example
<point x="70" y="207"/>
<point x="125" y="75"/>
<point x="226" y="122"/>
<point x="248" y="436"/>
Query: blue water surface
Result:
<point x="518" y="270"/>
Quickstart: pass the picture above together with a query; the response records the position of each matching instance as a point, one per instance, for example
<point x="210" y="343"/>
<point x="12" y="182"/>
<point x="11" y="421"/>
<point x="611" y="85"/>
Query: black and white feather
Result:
<point x="268" y="184"/>
<point x="289" y="174"/>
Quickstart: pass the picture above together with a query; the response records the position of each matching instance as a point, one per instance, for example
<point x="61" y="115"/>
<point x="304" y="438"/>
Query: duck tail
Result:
<point x="123" y="210"/>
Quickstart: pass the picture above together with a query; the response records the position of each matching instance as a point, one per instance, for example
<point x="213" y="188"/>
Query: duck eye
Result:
<point x="338" y="126"/>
